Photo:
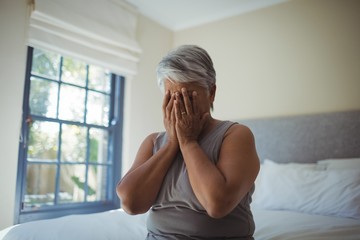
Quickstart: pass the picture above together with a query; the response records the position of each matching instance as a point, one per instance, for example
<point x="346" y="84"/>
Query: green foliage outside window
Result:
<point x="67" y="147"/>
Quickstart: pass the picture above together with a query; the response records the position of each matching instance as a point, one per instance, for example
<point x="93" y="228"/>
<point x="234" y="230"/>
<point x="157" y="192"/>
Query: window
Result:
<point x="70" y="148"/>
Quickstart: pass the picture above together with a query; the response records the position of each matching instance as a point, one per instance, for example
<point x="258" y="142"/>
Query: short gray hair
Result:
<point x="187" y="64"/>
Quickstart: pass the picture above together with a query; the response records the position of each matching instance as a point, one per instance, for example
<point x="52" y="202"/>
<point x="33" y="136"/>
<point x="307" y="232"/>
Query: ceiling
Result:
<point x="182" y="14"/>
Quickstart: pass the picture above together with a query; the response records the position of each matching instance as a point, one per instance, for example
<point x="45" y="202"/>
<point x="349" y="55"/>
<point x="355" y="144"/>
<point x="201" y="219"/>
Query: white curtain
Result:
<point x="100" y="32"/>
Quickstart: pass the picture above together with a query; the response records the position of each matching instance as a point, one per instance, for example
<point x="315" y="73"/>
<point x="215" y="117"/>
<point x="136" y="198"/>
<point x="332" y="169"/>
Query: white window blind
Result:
<point x="99" y="32"/>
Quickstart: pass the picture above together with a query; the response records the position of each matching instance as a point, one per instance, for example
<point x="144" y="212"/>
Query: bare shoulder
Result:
<point x="238" y="150"/>
<point x="239" y="132"/>
<point x="148" y="142"/>
<point x="152" y="136"/>
<point x="145" y="150"/>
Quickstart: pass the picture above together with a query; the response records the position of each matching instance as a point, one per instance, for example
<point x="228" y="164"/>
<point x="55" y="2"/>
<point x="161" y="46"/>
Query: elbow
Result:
<point x="217" y="213"/>
<point x="129" y="204"/>
<point x="132" y="207"/>
<point x="218" y="210"/>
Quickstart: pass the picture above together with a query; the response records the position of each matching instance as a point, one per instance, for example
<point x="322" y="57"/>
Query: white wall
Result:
<point x="12" y="73"/>
<point x="143" y="106"/>
<point x="142" y="101"/>
<point x="294" y="58"/>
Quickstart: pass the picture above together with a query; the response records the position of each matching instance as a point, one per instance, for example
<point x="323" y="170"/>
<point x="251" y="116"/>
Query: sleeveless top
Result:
<point x="177" y="213"/>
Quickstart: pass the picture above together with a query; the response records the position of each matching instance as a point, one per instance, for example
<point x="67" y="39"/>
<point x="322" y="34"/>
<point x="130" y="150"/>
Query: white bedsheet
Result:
<point x="117" y="225"/>
<point x="286" y="225"/>
<point x="109" y="225"/>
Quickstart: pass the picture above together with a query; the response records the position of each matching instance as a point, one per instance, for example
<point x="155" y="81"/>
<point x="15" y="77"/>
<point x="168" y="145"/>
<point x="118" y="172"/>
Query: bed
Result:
<point x="308" y="187"/>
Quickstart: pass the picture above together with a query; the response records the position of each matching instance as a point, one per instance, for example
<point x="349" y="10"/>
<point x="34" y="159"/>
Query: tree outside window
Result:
<point x="71" y="127"/>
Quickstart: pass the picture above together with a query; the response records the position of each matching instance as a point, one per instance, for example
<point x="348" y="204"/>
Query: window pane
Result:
<point x="72" y="103"/>
<point x="97" y="176"/>
<point x="73" y="145"/>
<point x="43" y="141"/>
<point x="73" y="72"/>
<point x="72" y="182"/>
<point x="66" y="158"/>
<point x="43" y="97"/>
<point x="99" y="79"/>
<point x="45" y="64"/>
<point x="98" y="146"/>
<point x="98" y="108"/>
<point x="40" y="185"/>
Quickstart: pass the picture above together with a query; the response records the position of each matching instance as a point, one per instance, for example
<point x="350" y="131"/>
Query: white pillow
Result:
<point x="270" y="163"/>
<point x="293" y="165"/>
<point x="340" y="163"/>
<point x="306" y="189"/>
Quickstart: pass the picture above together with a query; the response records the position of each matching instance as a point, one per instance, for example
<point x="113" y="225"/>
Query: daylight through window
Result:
<point x="70" y="124"/>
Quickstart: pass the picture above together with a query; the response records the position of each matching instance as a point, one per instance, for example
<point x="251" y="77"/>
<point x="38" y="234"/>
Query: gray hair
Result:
<point x="187" y="64"/>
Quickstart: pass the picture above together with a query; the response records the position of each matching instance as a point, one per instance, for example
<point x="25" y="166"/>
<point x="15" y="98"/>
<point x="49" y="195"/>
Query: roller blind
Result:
<point x="100" y="32"/>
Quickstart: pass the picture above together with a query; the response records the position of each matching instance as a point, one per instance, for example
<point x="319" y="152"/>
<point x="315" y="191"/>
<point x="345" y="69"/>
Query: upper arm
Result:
<point x="238" y="161"/>
<point x="145" y="151"/>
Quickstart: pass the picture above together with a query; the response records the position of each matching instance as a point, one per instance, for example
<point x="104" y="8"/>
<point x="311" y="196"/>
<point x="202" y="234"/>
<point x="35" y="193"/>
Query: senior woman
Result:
<point x="196" y="177"/>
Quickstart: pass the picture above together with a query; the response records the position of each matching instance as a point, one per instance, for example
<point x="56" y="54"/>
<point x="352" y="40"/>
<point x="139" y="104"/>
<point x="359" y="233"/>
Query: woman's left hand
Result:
<point x="189" y="121"/>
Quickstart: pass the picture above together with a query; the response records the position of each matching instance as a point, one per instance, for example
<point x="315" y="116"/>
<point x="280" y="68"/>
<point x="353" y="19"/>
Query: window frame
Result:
<point x="115" y="154"/>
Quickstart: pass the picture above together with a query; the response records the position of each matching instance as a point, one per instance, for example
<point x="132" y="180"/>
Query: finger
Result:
<point x="187" y="102"/>
<point x="177" y="111"/>
<point x="165" y="102"/>
<point x="170" y="106"/>
<point x="194" y="102"/>
<point x="180" y="103"/>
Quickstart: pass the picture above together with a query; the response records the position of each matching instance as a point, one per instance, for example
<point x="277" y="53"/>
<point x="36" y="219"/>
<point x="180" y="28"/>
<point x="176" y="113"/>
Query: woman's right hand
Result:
<point x="169" y="118"/>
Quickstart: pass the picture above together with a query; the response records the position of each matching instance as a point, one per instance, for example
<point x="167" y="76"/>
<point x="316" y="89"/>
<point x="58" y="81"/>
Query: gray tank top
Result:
<point x="177" y="214"/>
